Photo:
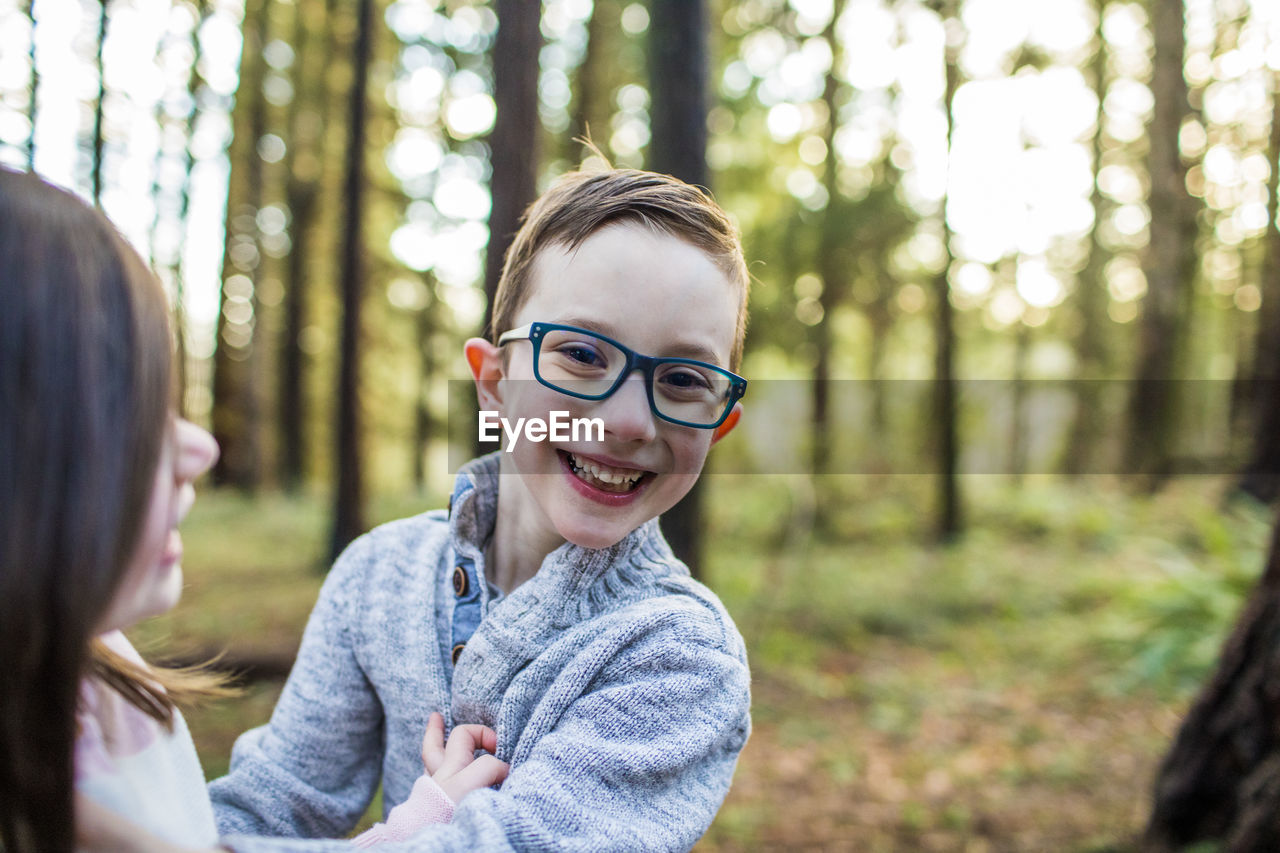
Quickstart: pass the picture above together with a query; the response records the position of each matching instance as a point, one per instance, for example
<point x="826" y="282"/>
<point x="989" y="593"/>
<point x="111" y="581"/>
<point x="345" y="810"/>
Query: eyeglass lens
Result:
<point x="583" y="364"/>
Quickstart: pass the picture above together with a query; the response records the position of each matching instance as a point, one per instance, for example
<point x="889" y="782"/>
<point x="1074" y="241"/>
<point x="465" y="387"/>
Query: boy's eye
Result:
<point x="582" y="354"/>
<point x="685" y="380"/>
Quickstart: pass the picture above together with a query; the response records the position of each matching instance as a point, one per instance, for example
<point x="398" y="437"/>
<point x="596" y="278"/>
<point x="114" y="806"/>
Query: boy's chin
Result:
<point x="595" y="538"/>
<point x="597" y="534"/>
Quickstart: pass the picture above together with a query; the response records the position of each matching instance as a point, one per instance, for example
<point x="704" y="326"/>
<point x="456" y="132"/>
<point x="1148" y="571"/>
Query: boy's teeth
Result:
<point x="605" y="473"/>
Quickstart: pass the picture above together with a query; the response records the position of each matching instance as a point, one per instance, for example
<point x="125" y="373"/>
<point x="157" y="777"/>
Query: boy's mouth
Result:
<point x="606" y="478"/>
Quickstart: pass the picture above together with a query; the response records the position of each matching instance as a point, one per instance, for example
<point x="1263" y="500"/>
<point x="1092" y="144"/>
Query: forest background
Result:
<point x="1013" y="425"/>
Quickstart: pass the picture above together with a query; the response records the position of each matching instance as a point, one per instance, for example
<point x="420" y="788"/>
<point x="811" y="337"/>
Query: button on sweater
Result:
<point x="618" y="687"/>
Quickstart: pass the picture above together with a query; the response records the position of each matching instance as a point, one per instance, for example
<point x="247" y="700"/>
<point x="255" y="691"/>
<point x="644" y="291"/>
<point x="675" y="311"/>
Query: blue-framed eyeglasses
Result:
<point x="590" y="366"/>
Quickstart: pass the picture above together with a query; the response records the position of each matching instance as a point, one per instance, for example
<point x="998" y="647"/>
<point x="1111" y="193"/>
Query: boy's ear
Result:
<point x="485" y="361"/>
<point x="729" y="423"/>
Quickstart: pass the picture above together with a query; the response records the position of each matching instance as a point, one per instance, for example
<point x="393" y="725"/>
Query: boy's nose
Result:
<point x="626" y="412"/>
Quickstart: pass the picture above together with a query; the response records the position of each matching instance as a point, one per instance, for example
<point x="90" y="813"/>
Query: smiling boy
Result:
<point x="545" y="603"/>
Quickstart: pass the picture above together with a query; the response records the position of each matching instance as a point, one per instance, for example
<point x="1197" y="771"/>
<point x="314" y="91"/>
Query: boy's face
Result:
<point x="657" y="295"/>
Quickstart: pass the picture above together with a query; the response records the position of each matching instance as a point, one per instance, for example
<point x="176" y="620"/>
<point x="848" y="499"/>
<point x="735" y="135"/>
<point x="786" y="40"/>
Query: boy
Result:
<point x="545" y="604"/>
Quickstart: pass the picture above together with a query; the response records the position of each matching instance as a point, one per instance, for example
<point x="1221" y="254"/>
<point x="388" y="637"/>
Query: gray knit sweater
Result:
<point x="618" y="687"/>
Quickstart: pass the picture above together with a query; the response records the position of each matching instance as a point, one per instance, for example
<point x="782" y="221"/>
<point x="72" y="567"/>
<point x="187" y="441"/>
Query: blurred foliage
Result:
<point x="1147" y="586"/>
<point x="818" y="125"/>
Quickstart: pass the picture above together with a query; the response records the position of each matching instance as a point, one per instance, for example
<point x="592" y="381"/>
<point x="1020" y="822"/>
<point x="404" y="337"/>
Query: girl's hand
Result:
<point x="454" y="767"/>
<point x="452" y="772"/>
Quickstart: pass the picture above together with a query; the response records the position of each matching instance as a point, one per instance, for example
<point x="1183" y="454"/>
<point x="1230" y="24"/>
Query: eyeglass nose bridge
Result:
<point x="646" y="365"/>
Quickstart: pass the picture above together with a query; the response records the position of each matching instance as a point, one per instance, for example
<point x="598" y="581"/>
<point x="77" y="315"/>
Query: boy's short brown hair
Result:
<point x="581" y="203"/>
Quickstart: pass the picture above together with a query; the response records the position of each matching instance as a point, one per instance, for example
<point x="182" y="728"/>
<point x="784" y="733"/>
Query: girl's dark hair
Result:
<point x="84" y="400"/>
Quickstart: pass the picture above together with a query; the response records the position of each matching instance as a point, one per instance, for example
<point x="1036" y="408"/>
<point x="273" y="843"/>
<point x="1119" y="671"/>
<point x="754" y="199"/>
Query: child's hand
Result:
<point x="453" y="771"/>
<point x="454" y="767"/>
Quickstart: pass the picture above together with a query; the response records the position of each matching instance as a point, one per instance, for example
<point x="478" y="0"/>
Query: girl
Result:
<point x="95" y="474"/>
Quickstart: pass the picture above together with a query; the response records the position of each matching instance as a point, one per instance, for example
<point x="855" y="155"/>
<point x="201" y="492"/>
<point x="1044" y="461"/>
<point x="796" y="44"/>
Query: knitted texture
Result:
<point x="618" y="687"/>
<point x="427" y="804"/>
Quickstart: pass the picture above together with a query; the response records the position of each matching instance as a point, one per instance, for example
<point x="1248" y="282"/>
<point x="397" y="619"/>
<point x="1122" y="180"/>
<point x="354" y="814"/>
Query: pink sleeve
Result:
<point x="427" y="804"/>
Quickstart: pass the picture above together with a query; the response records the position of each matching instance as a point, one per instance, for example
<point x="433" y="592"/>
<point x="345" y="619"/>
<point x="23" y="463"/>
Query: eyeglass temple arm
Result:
<point x="519" y="334"/>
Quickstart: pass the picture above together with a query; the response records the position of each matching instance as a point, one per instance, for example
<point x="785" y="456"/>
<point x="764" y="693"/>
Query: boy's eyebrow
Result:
<point x="680" y="350"/>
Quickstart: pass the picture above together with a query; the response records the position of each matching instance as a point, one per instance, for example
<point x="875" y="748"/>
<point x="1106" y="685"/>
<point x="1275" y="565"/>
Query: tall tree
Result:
<point x="513" y="144"/>
<point x="1261" y="476"/>
<point x="1220" y="781"/>
<point x="595" y="77"/>
<point x="678" y="69"/>
<point x="1170" y="258"/>
<point x="302" y="187"/>
<point x="855" y="239"/>
<point x="424" y="330"/>
<point x="879" y="313"/>
<point x="348" y="514"/>
<point x="834" y="266"/>
<point x="1092" y="355"/>
<point x="876" y="293"/>
<point x="33" y="104"/>
<point x="95" y="167"/>
<point x="949" y="524"/>
<point x="1019" y="430"/>
<point x="236" y="416"/>
<point x="172" y="254"/>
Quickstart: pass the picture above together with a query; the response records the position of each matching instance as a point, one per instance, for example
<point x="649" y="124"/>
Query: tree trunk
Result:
<point x="1220" y="780"/>
<point x="1261" y="477"/>
<point x="422" y="422"/>
<point x="832" y="265"/>
<point x="1019" y="433"/>
<point x="1170" y="258"/>
<point x="292" y="390"/>
<point x="948" y="525"/>
<point x="514" y="143"/>
<point x="1092" y="356"/>
<point x="195" y="82"/>
<point x="301" y="190"/>
<point x="173" y="261"/>
<point x="95" y="170"/>
<point x="881" y="320"/>
<point x="236" y="405"/>
<point x="348" y="514"/>
<point x="678" y="68"/>
<point x="595" y="79"/>
<point x="820" y="403"/>
<point x="32" y="106"/>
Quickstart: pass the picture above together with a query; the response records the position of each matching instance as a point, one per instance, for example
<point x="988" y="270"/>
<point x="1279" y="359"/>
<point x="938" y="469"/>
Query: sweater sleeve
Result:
<point x="641" y="759"/>
<point x="312" y="770"/>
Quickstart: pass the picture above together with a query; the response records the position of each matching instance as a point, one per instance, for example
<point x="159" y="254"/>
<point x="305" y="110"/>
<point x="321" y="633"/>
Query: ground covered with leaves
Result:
<point x="1013" y="691"/>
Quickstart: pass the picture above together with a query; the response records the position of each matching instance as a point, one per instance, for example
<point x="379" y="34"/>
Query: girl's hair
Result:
<point x="84" y="401"/>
